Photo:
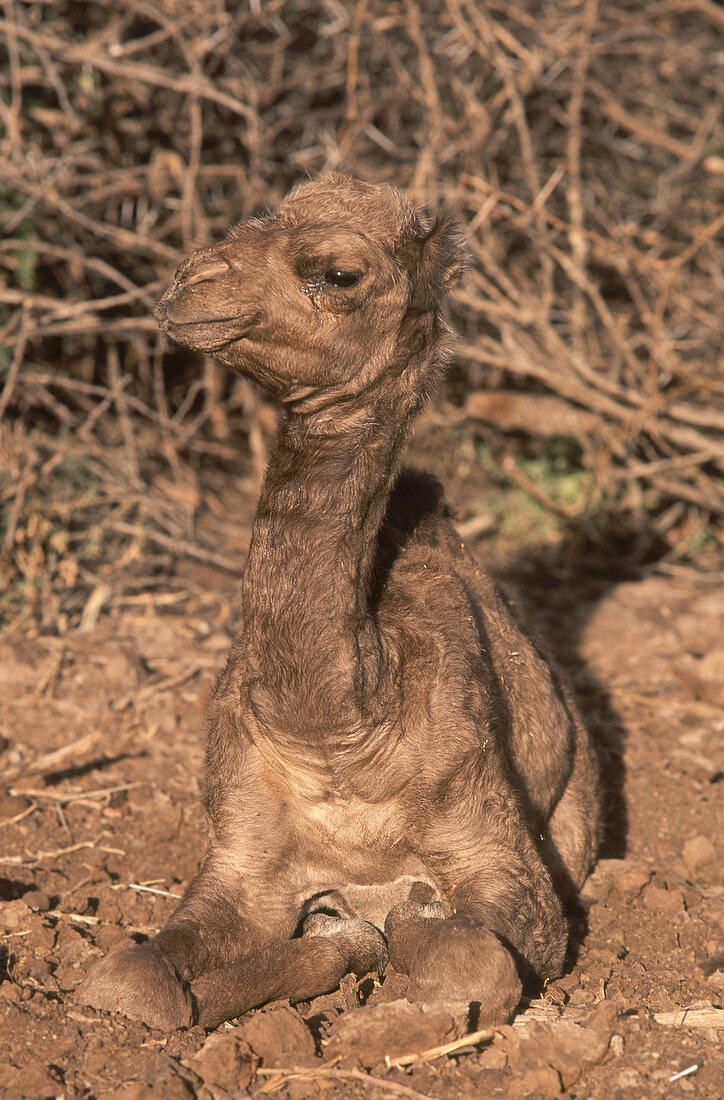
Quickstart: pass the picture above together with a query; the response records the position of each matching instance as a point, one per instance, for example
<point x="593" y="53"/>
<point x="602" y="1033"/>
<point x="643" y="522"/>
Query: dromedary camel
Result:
<point x="387" y="749"/>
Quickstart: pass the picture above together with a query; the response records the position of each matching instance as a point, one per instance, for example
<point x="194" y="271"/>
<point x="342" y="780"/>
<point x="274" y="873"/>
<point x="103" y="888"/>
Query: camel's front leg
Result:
<point x="506" y="922"/>
<point x="216" y="924"/>
<point x="453" y="958"/>
<point x="297" y="969"/>
<point x="211" y="963"/>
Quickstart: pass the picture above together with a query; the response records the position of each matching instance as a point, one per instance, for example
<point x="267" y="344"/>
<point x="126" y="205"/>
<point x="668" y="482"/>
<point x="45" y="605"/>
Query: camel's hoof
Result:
<point x="362" y="946"/>
<point x="457" y="960"/>
<point x="141" y="984"/>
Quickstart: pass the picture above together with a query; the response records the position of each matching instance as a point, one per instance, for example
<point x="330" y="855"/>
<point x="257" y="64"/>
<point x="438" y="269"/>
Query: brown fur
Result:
<point x="382" y="720"/>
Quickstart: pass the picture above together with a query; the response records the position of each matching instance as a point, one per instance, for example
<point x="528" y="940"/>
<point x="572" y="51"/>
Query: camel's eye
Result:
<point x="342" y="280"/>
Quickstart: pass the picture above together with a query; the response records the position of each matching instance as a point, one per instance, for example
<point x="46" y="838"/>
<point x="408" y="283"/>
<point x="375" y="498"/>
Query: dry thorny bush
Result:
<point x="577" y="140"/>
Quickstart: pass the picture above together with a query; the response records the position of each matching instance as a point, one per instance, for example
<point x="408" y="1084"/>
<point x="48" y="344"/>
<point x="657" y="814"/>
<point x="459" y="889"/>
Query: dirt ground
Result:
<point x="98" y="841"/>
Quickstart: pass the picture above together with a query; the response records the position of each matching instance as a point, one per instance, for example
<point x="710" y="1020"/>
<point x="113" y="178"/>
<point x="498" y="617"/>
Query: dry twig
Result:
<point x="280" y="1078"/>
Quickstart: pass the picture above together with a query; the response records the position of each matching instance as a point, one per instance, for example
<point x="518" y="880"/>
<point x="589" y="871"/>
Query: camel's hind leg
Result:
<point x="571" y="841"/>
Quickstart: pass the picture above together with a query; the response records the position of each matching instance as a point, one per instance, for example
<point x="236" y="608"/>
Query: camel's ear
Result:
<point x="442" y="259"/>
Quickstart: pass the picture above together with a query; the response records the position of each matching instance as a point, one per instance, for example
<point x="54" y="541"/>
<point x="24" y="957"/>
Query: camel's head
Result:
<point x="332" y="291"/>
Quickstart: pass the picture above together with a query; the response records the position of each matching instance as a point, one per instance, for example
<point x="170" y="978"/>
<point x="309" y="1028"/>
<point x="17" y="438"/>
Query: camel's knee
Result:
<point x="139" y="982"/>
<point x="455" y="959"/>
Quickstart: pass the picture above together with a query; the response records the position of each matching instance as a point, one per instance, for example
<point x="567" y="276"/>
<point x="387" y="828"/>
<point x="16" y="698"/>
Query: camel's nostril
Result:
<point x="189" y="275"/>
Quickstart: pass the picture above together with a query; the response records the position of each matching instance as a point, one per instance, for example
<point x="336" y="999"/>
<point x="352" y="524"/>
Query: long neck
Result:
<point x="311" y="642"/>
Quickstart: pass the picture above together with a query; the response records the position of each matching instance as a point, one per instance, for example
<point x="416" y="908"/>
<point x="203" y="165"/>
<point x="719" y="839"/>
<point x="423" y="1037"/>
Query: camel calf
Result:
<point x="391" y="764"/>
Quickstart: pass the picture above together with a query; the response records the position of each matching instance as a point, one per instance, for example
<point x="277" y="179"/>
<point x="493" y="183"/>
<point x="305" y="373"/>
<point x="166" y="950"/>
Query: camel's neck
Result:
<point x="312" y="646"/>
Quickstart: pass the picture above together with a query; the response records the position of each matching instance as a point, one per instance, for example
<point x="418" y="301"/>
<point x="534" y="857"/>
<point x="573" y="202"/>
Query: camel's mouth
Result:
<point x="204" y="333"/>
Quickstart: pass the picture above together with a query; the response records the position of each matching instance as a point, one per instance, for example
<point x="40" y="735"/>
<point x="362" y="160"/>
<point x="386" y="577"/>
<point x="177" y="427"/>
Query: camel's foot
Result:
<point x="362" y="946"/>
